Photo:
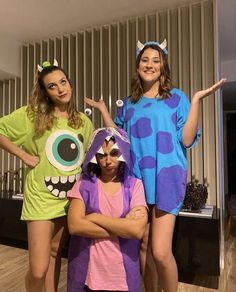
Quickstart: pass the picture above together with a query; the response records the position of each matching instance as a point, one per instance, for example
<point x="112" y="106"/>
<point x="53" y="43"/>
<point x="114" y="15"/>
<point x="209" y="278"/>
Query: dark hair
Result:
<point x="165" y="81"/>
<point x="41" y="107"/>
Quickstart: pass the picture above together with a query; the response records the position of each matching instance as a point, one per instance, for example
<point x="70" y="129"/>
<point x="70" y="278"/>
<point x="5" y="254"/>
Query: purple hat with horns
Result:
<point x="99" y="136"/>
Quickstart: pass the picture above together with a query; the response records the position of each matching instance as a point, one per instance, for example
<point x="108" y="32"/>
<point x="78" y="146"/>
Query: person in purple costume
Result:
<point x="162" y="125"/>
<point x="107" y="218"/>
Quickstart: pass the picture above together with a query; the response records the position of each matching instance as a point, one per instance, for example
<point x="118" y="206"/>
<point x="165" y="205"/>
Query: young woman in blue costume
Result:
<point x="50" y="136"/>
<point x="161" y="124"/>
<point x="107" y="218"/>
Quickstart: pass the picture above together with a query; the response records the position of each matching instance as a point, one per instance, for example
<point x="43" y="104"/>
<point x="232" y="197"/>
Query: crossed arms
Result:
<point x="96" y="225"/>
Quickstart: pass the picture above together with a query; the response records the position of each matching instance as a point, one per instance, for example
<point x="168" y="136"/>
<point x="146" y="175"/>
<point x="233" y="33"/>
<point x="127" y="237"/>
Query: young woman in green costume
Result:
<point x="50" y="136"/>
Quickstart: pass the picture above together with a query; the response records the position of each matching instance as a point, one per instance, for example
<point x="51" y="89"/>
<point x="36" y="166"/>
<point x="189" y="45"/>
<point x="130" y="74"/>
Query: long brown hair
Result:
<point x="165" y="81"/>
<point x="41" y="107"/>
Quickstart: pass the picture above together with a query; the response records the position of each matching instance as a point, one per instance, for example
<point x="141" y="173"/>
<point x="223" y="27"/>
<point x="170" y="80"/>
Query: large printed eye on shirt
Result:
<point x="64" y="150"/>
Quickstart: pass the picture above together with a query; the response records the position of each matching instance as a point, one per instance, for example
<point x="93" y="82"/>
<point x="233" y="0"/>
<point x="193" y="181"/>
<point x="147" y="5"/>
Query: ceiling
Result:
<point x="32" y="20"/>
<point x="29" y="20"/>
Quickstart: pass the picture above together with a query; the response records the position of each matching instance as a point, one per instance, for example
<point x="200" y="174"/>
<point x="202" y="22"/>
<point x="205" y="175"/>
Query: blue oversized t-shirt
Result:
<point x="159" y="157"/>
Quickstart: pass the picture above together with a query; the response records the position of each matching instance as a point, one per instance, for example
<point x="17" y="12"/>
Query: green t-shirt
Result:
<point x="61" y="152"/>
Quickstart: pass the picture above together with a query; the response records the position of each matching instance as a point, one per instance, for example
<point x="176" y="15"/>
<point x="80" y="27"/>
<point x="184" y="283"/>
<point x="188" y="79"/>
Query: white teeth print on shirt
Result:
<point x="60" y="185"/>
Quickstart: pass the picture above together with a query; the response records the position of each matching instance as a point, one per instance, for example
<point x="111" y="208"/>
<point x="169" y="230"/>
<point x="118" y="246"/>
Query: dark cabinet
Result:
<point x="196" y="245"/>
<point x="11" y="227"/>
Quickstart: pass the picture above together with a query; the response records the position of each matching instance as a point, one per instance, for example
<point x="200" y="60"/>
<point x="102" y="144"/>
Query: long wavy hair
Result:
<point x="165" y="81"/>
<point x="41" y="107"/>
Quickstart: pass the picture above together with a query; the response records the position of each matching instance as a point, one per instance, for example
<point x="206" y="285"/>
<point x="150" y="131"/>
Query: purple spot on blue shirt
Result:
<point x="172" y="101"/>
<point x="147" y="162"/>
<point x="142" y="128"/>
<point x="164" y="142"/>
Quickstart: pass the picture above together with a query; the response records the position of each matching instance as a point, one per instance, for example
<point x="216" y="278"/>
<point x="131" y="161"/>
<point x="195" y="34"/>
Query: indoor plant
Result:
<point x="196" y="195"/>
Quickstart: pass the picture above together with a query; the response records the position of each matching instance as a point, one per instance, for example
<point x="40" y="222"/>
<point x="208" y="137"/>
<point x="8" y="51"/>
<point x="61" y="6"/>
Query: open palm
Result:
<point x="93" y="103"/>
<point x="206" y="92"/>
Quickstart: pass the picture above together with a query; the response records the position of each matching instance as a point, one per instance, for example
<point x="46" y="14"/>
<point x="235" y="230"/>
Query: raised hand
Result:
<point x="191" y="124"/>
<point x="198" y="96"/>
<point x="100" y="104"/>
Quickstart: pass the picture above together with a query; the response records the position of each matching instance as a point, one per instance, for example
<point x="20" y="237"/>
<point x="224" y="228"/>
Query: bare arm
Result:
<point x="190" y="127"/>
<point x="10" y="147"/>
<point x="132" y="227"/>
<point x="100" y="105"/>
<point x="78" y="224"/>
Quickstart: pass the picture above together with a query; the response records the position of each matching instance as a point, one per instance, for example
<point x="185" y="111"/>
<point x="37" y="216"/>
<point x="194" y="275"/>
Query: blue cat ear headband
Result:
<point x="162" y="46"/>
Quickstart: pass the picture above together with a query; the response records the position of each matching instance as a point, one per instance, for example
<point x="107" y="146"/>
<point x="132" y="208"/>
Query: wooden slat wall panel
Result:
<point x="6" y="166"/>
<point x="10" y="167"/>
<point x="2" y="168"/>
<point x="196" y="80"/>
<point x="209" y="106"/>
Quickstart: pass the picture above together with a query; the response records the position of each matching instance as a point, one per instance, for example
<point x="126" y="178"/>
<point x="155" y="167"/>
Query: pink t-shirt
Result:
<point x="106" y="268"/>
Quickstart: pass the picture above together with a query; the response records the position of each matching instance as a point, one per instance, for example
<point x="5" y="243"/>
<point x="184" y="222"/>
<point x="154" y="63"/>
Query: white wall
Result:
<point x="227" y="38"/>
<point x="9" y="58"/>
<point x="228" y="70"/>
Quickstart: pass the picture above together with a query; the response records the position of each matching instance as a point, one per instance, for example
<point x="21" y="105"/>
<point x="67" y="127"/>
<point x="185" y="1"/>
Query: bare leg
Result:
<point x="162" y="233"/>
<point x="59" y="237"/>
<point x="148" y="267"/>
<point x="39" y="238"/>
